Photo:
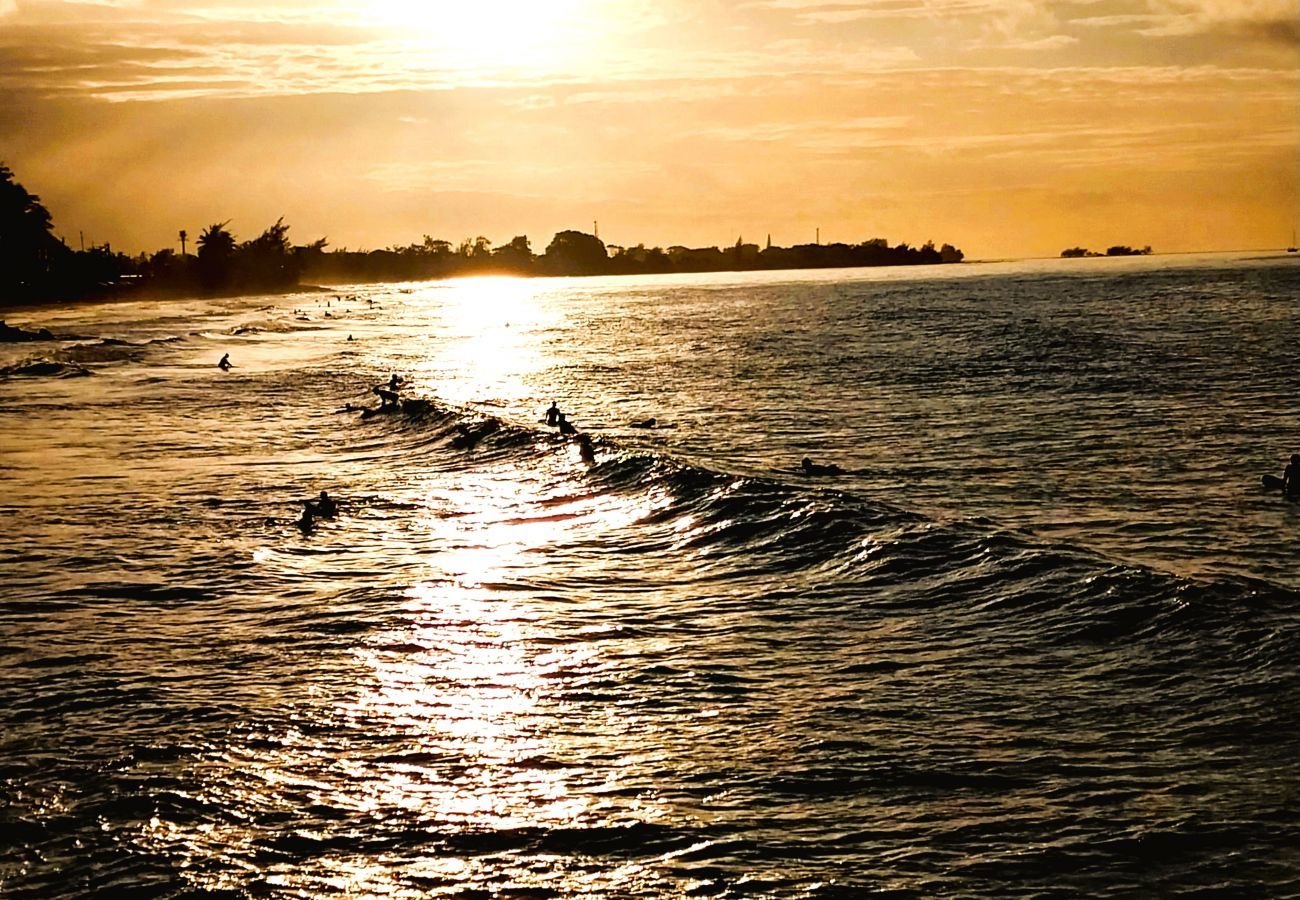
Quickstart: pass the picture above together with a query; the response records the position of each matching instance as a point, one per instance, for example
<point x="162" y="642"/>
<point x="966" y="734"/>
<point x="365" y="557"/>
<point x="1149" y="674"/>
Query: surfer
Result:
<point x="811" y="468"/>
<point x="307" y="521"/>
<point x="647" y="423"/>
<point x="225" y="364"/>
<point x="1291" y="478"/>
<point x="326" y="506"/>
<point x="585" y="450"/>
<point x="389" y="393"/>
<point x="566" y="427"/>
<point x="553" y="415"/>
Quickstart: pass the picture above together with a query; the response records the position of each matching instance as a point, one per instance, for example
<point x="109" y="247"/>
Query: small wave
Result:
<point x="106" y="350"/>
<point x="119" y="342"/>
<point x="12" y="334"/>
<point x="267" y="326"/>
<point x="861" y="549"/>
<point x="72" y="357"/>
<point x="43" y="368"/>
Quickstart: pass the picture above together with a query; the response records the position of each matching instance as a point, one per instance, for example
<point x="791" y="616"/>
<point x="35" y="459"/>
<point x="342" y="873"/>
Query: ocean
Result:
<point x="1040" y="637"/>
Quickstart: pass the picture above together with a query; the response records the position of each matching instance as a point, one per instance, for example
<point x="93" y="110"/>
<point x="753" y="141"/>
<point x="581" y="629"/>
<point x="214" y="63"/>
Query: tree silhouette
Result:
<point x="576" y="253"/>
<point x="516" y="256"/>
<point x="29" y="251"/>
<point x="267" y="260"/>
<point x="216" y="251"/>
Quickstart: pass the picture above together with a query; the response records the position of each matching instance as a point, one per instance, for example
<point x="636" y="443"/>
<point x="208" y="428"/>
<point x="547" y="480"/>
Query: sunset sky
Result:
<point x="1006" y="127"/>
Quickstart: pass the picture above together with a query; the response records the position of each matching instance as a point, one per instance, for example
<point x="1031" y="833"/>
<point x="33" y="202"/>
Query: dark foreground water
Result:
<point x="1041" y="640"/>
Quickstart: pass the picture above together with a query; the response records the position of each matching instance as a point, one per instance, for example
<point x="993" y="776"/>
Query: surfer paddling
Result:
<point x="808" y="467"/>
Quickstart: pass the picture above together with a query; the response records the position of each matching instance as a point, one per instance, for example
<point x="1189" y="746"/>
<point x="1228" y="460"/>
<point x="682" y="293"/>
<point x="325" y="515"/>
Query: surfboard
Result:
<point x="1272" y="482"/>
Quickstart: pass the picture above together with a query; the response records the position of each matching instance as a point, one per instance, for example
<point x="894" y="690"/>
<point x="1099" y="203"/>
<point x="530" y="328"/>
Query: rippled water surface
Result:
<point x="1040" y="639"/>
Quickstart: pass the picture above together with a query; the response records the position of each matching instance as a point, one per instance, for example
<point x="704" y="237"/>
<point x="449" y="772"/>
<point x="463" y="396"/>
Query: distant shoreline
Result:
<point x="161" y="294"/>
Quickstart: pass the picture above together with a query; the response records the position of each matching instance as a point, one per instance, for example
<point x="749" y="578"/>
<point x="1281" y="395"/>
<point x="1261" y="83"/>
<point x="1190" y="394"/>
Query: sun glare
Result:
<point x="487" y="33"/>
<point x="496" y="326"/>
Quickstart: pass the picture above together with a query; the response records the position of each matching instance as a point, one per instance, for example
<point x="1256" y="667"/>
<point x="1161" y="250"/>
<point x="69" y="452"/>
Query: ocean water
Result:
<point x="1039" y="640"/>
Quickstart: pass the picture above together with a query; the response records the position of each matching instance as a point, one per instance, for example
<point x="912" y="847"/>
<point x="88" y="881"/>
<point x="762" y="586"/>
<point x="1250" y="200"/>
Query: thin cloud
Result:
<point x="1049" y="42"/>
<point x="1126" y="20"/>
<point x="1271" y="21"/>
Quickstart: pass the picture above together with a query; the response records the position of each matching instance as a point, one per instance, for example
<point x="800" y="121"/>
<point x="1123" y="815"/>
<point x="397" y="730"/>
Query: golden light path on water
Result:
<point x="453" y="723"/>
<point x="464" y="680"/>
<point x="493" y="326"/>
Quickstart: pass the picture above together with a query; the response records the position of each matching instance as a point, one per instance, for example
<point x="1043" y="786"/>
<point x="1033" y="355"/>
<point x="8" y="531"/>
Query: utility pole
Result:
<point x="183" y="237"/>
<point x="595" y="228"/>
<point x="819" y="237"/>
<point x="82" y="236"/>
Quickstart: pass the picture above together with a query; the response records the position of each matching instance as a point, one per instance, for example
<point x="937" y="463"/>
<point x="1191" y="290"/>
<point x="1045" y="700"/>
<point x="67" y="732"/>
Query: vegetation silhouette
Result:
<point x="32" y="260"/>
<point x="578" y="253"/>
<point x="36" y="265"/>
<point x="1117" y="250"/>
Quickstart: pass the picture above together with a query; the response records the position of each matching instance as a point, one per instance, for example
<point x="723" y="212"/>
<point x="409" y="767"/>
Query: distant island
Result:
<point x="1118" y="250"/>
<point x="36" y="265"/>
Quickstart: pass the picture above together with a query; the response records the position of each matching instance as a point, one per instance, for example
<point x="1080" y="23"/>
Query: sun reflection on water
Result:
<point x="462" y="687"/>
<point x="451" y="721"/>
<point x="469" y="673"/>
<point x="492" y="344"/>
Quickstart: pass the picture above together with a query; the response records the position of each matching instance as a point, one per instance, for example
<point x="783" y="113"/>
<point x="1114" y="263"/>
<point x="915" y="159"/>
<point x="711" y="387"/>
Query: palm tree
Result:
<point x="216" y="251"/>
<point x="216" y="241"/>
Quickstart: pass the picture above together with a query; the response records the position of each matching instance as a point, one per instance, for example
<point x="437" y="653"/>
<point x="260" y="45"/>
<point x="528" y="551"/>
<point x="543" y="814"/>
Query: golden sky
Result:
<point x="1006" y="127"/>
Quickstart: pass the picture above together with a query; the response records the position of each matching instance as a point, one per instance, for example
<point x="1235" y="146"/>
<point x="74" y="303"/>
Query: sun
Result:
<point x="474" y="34"/>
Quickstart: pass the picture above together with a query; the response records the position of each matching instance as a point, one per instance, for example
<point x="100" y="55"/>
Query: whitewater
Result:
<point x="1039" y="639"/>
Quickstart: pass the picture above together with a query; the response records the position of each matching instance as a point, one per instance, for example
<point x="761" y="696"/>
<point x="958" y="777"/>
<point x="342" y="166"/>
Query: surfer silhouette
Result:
<point x="566" y="427"/>
<point x="326" y="506"/>
<point x="553" y="415"/>
<point x="225" y="363"/>
<point x="585" y="450"/>
<point x="388" y="393"/>
<point x="808" y="467"/>
<point x="1291" y="478"/>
